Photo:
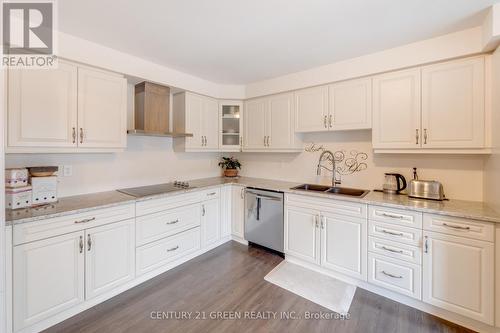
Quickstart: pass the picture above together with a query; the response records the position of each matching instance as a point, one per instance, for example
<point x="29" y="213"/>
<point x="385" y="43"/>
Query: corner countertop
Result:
<point x="87" y="202"/>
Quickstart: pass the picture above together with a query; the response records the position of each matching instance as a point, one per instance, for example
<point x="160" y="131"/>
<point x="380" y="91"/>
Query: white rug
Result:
<point x="316" y="287"/>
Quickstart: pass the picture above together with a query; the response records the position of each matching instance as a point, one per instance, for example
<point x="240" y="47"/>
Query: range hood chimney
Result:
<point x="152" y="111"/>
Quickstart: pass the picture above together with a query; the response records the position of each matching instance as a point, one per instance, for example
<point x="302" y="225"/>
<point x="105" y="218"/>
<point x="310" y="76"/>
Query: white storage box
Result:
<point x="19" y="197"/>
<point x="44" y="190"/>
<point x="16" y="177"/>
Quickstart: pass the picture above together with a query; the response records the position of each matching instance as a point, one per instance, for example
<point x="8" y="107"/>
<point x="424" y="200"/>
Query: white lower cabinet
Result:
<point x="210" y="222"/>
<point x="343" y="244"/>
<point x="48" y="277"/>
<point x="110" y="257"/>
<point x="459" y="275"/>
<point x="238" y="211"/>
<point x="225" y="211"/>
<point x="334" y="241"/>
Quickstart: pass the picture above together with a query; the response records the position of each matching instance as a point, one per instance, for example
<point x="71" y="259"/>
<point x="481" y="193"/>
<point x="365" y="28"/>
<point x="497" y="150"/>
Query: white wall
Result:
<point x="462" y="176"/>
<point x="492" y="164"/>
<point x="147" y="160"/>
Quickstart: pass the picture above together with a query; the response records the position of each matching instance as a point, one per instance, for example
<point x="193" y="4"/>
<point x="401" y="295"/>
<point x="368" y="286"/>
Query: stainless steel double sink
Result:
<point x="352" y="192"/>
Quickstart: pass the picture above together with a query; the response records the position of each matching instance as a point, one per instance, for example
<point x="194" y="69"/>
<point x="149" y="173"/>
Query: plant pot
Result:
<point x="230" y="172"/>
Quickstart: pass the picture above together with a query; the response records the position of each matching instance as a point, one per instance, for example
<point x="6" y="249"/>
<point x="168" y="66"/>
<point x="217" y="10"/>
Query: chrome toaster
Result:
<point x="426" y="189"/>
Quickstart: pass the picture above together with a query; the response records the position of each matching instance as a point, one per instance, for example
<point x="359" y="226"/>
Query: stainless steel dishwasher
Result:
<point x="264" y="218"/>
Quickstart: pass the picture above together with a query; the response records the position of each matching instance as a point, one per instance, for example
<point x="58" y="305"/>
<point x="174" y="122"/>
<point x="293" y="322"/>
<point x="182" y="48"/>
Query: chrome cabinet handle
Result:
<point x="391" y="275"/>
<point x="265" y="140"/>
<point x="316" y="221"/>
<point x="81" y="244"/>
<point x="89" y="242"/>
<point x="211" y="193"/>
<point x="426" y="246"/>
<point x="206" y="141"/>
<point x="392" y="233"/>
<point x="417" y="136"/>
<point x="268" y="144"/>
<point x="455" y="226"/>
<point x="242" y="194"/>
<point x="391" y="250"/>
<point x="173" y="222"/>
<point x="85" y="220"/>
<point x="203" y="210"/>
<point x="322" y="222"/>
<point x="173" y="248"/>
<point x="425" y="136"/>
<point x="81" y="135"/>
<point x="393" y="216"/>
<point x="330" y="120"/>
<point x="74" y="135"/>
<point x="324" y="121"/>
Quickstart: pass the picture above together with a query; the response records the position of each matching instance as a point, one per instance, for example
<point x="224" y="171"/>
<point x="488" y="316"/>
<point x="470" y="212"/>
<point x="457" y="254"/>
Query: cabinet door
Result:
<point x="279" y="124"/>
<point x="102" y="109"/>
<point x="225" y="210"/>
<point x="110" y="257"/>
<point x="255" y="124"/>
<point x="238" y="211"/>
<point x="343" y="244"/>
<point x="458" y="275"/>
<point x="42" y="107"/>
<point x="48" y="277"/>
<point x="210" y="123"/>
<point x="396" y="110"/>
<point x="453" y="104"/>
<point x="194" y="110"/>
<point x="302" y="234"/>
<point x="230" y="126"/>
<point x="311" y="109"/>
<point x="350" y="105"/>
<point x="210" y="222"/>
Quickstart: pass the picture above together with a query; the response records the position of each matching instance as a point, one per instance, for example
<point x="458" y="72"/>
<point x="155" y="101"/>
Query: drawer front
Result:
<point x="395" y="233"/>
<point x="150" y="206"/>
<point x="400" y="217"/>
<point x="210" y="194"/>
<point x="154" y="255"/>
<point x="405" y="252"/>
<point x="32" y="231"/>
<point x="331" y="205"/>
<point x="152" y="227"/>
<point x="456" y="226"/>
<point x="395" y="275"/>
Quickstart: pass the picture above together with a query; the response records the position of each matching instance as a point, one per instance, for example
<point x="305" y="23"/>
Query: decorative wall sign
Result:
<point x="346" y="163"/>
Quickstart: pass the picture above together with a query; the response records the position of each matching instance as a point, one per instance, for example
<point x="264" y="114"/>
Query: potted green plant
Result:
<point x="230" y="166"/>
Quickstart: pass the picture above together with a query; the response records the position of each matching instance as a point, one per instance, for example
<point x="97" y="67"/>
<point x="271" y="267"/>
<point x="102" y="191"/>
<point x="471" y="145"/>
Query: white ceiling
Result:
<point x="243" y="41"/>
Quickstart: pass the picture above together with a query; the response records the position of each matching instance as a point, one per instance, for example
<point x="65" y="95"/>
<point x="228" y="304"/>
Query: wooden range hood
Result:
<point x="152" y="111"/>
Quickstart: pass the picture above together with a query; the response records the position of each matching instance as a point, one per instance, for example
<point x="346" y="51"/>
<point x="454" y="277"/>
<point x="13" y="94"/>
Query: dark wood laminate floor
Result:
<point x="231" y="278"/>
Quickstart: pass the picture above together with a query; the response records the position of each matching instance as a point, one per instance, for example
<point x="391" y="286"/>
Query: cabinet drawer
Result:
<point x="405" y="252"/>
<point x="209" y="194"/>
<point x="159" y="253"/>
<point x="395" y="233"/>
<point x="395" y="275"/>
<point x="28" y="232"/>
<point x="332" y="205"/>
<point x="150" y="206"/>
<point x="459" y="227"/>
<point x="400" y="217"/>
<point x="159" y="225"/>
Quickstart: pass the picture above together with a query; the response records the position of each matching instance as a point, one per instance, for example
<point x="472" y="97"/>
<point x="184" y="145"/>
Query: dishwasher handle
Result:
<point x="263" y="196"/>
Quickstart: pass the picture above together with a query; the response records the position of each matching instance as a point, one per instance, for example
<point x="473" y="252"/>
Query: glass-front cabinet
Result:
<point x="231" y="126"/>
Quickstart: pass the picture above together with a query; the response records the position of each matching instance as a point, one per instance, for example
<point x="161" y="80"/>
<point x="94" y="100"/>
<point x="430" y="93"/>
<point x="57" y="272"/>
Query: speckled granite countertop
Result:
<point x="81" y="203"/>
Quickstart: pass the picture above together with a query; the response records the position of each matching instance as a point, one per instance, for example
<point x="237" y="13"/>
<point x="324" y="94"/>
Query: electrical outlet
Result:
<point x="67" y="170"/>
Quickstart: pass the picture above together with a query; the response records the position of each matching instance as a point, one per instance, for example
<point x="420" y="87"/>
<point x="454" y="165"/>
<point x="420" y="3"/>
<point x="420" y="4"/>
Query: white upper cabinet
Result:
<point x="255" y="124"/>
<point x="42" y="107"/>
<point x="350" y="105"/>
<point x="311" y="109"/>
<point x="396" y="110"/>
<point x="67" y="109"/>
<point x="102" y="99"/>
<point x="197" y="115"/>
<point x="280" y="122"/>
<point x="269" y="124"/>
<point x="231" y="125"/>
<point x="453" y="104"/>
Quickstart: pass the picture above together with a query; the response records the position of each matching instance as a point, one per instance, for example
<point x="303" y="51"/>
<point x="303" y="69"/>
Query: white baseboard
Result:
<point x="414" y="303"/>
<point x="239" y="240"/>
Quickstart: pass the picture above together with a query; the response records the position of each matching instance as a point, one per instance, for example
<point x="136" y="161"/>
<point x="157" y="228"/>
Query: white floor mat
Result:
<point x="316" y="287"/>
